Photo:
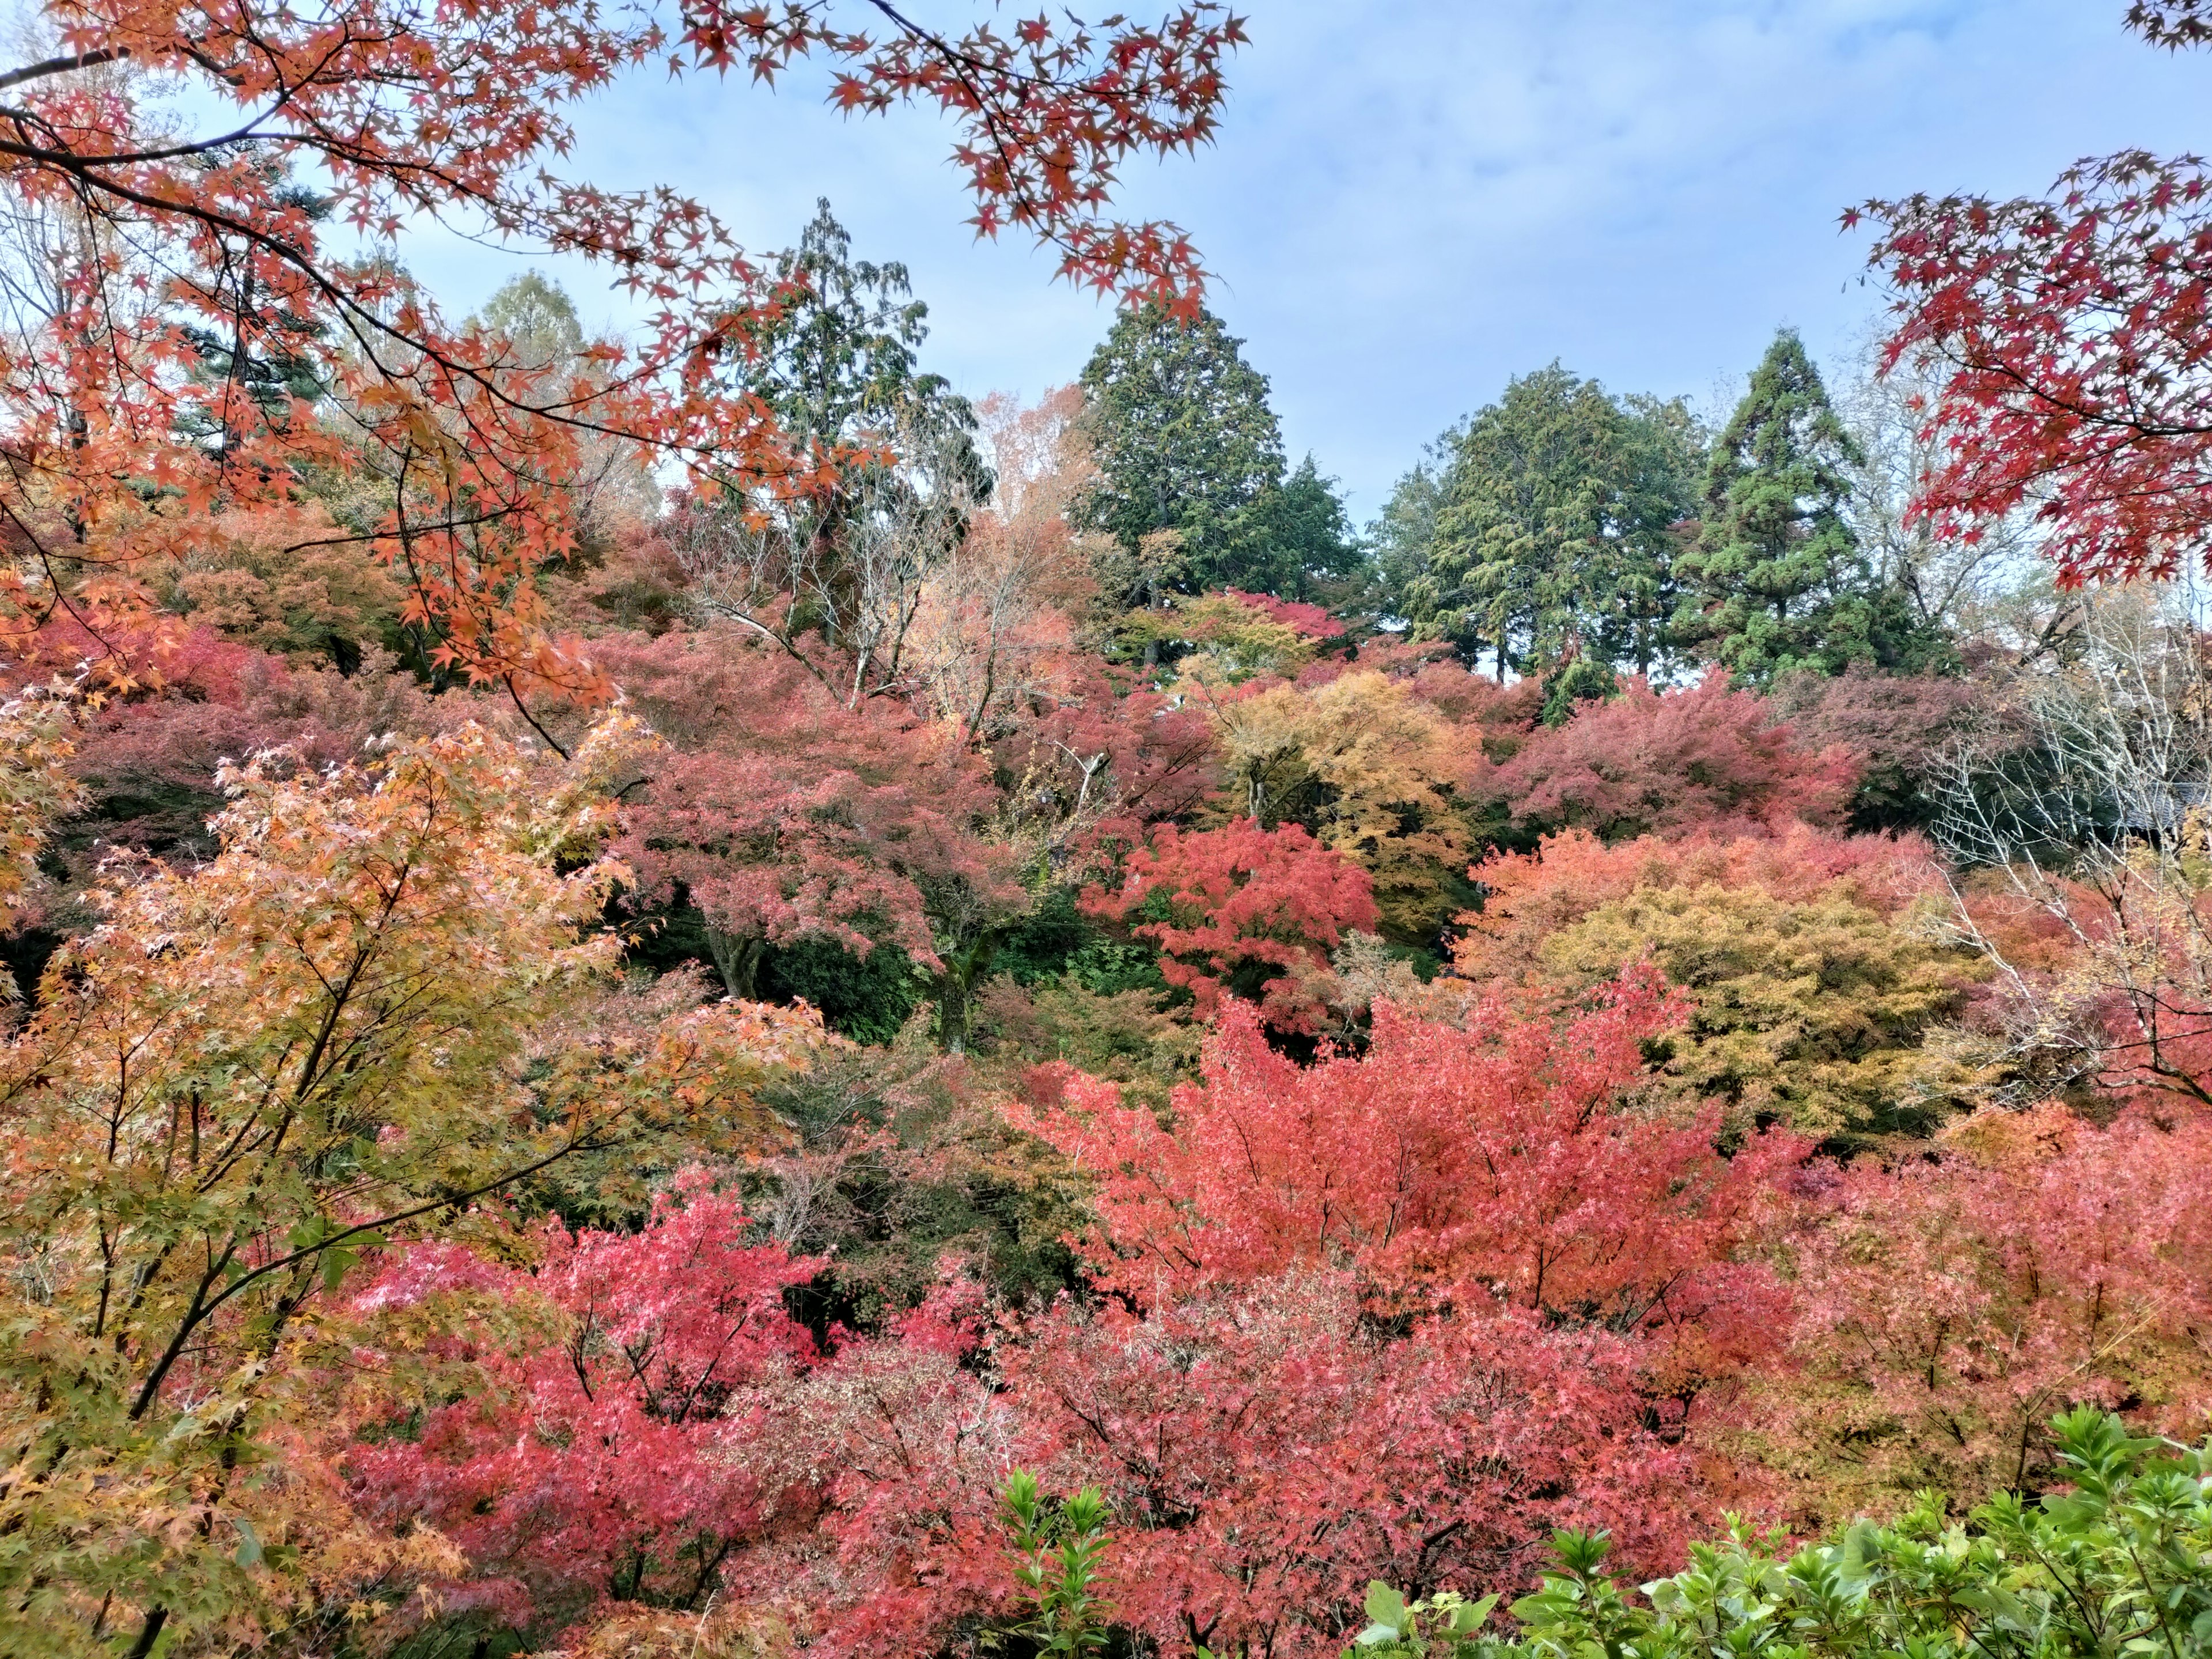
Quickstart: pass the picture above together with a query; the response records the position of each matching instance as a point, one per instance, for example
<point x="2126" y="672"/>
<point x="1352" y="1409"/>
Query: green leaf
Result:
<point x="1470" y="1616"/>
<point x="1385" y="1605"/>
<point x="249" y="1546"/>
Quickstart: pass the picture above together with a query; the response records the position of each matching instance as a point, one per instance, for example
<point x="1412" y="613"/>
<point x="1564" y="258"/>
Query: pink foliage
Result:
<point x="1307" y="622"/>
<point x="2039" y="1261"/>
<point x="785" y="812"/>
<point x="1669" y="761"/>
<point x="622" y="1447"/>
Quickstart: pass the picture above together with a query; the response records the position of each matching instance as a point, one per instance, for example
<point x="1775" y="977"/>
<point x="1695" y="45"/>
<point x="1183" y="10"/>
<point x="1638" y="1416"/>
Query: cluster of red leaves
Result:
<point x="2072" y="334"/>
<point x="1472" y="1165"/>
<point x="1100" y="759"/>
<point x="614" y="1438"/>
<point x="784" y="812"/>
<point x="1307" y="622"/>
<point x="1667" y="762"/>
<point x="1242" y="909"/>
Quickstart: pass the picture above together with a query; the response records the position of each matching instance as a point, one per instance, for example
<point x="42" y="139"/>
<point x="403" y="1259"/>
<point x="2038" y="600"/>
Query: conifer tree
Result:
<point x="1551" y="533"/>
<point x="1777" y="582"/>
<point x="1184" y="441"/>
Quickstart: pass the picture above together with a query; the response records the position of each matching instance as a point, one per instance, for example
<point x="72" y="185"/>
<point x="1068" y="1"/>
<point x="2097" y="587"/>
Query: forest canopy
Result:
<point x="700" y="995"/>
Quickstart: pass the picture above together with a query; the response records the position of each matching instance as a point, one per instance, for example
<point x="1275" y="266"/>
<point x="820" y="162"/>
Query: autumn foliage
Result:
<point x="639" y="967"/>
<point x="1241" y="908"/>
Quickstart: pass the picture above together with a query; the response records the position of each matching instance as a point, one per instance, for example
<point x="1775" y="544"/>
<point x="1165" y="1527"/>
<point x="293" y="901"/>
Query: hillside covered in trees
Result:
<point x="688" y="994"/>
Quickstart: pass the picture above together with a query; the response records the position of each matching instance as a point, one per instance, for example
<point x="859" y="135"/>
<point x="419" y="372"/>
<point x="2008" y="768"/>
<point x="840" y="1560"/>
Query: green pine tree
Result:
<point x="1184" y="441"/>
<point x="1294" y="540"/>
<point x="1776" y="581"/>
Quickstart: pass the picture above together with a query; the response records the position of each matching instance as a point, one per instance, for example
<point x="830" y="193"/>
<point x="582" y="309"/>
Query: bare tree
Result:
<point x="836" y="578"/>
<point x="2085" y="803"/>
<point x="1996" y="592"/>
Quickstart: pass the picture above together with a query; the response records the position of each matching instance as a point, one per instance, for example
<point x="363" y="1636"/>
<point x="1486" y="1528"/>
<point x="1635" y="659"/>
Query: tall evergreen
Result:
<point x="1184" y="441"/>
<point x="1553" y="525"/>
<point x="1295" y="541"/>
<point x="1776" y="581"/>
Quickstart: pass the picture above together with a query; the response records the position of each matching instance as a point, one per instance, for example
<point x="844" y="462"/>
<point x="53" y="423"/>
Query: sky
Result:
<point x="1410" y="203"/>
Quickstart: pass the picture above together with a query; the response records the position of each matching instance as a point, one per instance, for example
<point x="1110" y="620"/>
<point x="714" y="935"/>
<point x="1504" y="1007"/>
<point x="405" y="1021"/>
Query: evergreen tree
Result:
<point x="1184" y="441"/>
<point x="1295" y="541"/>
<point x="840" y="362"/>
<point x="538" y="319"/>
<point x="1552" y="540"/>
<point x="1777" y="582"/>
<point x="1399" y="537"/>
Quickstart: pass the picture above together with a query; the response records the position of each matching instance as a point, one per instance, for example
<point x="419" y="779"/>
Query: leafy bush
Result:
<point x="2119" y="1564"/>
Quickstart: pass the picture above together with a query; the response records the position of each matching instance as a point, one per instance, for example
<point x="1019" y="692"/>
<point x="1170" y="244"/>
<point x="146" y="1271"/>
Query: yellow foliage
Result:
<point x="1809" y="1011"/>
<point x="1370" y="770"/>
<point x="375" y="1005"/>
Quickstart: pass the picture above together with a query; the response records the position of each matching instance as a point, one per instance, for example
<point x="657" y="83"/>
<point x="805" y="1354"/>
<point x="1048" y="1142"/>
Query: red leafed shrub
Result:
<point x="1667" y="763"/>
<point x="1489" y="1161"/>
<point x="1948" y="1307"/>
<point x="1270" y="1457"/>
<point x="606" y="1455"/>
<point x="783" y="812"/>
<point x="1242" y="910"/>
<point x="1265" y="1451"/>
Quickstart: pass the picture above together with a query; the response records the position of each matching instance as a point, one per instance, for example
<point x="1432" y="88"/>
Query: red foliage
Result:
<point x="1307" y="622"/>
<point x="1953" y="1305"/>
<point x="1272" y="1457"/>
<point x="625" y="1437"/>
<point x="1893" y="726"/>
<point x="1667" y="762"/>
<point x="179" y="180"/>
<point x="1242" y="910"/>
<point x="1265" y="1455"/>
<point x="1104" y="759"/>
<point x="1486" y="1162"/>
<point x="2071" y="332"/>
<point x="785" y="812"/>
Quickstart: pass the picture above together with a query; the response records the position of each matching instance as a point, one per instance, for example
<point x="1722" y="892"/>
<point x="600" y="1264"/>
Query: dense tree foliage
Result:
<point x="1777" y="581"/>
<point x="684" y="997"/>
<point x="1552" y="533"/>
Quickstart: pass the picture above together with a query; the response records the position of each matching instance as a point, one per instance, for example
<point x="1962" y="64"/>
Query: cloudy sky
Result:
<point x="1411" y="202"/>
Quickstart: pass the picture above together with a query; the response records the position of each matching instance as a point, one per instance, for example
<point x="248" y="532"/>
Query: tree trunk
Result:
<point x="737" y="959"/>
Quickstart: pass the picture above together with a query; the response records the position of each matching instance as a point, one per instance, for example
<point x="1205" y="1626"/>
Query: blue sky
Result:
<point x="1411" y="202"/>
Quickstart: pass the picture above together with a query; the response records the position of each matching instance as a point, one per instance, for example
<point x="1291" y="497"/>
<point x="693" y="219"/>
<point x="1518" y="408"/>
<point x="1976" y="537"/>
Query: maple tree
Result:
<point x="1486" y="1160"/>
<point x="36" y="788"/>
<point x="1809" y="966"/>
<point x="784" y="814"/>
<point x="1707" y="756"/>
<point x="247" y="1075"/>
<point x="2066" y="332"/>
<point x="1950" y="1306"/>
<point x="1241" y="910"/>
<point x="610" y="1456"/>
<point x="196" y="297"/>
<point x="1372" y="770"/>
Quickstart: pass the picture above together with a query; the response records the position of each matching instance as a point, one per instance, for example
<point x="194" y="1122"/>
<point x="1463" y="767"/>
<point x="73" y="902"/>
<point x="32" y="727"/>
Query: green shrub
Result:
<point x="2120" y="1564"/>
